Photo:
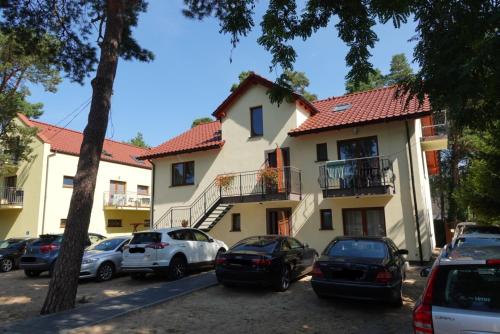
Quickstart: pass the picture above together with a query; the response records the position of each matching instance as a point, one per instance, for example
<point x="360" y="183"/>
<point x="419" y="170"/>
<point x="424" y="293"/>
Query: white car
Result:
<point x="171" y="251"/>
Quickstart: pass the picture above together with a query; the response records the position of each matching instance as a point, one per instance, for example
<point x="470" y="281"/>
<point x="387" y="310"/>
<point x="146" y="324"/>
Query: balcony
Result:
<point x="267" y="184"/>
<point x="357" y="177"/>
<point x="126" y="201"/>
<point x="434" y="132"/>
<point x="11" y="198"/>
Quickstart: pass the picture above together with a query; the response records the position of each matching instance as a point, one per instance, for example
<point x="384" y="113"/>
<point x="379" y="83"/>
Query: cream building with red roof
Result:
<point x="350" y="165"/>
<point x="36" y="199"/>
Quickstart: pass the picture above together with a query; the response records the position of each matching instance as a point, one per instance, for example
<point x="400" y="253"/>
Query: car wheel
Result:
<point x="105" y="272"/>
<point x="283" y="282"/>
<point x="32" y="273"/>
<point x="177" y="268"/>
<point x="137" y="276"/>
<point x="6" y="265"/>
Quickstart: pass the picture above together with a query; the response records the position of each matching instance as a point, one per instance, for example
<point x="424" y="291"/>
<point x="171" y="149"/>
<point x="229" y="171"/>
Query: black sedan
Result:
<point x="11" y="251"/>
<point x="266" y="260"/>
<point x="361" y="268"/>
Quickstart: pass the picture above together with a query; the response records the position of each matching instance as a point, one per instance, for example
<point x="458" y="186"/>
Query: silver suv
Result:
<point x="462" y="294"/>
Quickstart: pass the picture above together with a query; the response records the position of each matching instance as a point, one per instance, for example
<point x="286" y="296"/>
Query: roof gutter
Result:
<point x="152" y="209"/>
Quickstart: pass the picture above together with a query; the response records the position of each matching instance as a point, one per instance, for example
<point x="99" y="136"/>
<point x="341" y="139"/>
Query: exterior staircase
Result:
<point x="226" y="190"/>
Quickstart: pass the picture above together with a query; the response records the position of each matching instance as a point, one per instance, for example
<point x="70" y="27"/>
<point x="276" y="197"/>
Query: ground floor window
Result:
<point x="114" y="223"/>
<point x="236" y="222"/>
<point x="364" y="222"/>
<point x="326" y="219"/>
<point x="62" y="223"/>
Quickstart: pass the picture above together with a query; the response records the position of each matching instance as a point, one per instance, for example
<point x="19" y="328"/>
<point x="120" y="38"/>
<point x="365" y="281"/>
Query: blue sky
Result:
<point x="192" y="73"/>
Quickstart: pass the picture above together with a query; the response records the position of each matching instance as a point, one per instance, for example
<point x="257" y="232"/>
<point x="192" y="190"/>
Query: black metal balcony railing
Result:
<point x="363" y="176"/>
<point x="253" y="186"/>
<point x="11" y="196"/>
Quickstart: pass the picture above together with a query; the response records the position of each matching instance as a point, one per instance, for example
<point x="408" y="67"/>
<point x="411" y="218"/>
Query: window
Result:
<point x="68" y="181"/>
<point x="147" y="223"/>
<point x="114" y="223"/>
<point x="183" y="173"/>
<point x="10" y="181"/>
<point x="326" y="219"/>
<point x="182" y="235"/>
<point x="358" y="148"/>
<point x="257" y="120"/>
<point x="321" y="152"/>
<point x="199" y="236"/>
<point x="142" y="190"/>
<point x="294" y="243"/>
<point x="62" y="224"/>
<point x="364" y="222"/>
<point x="236" y="222"/>
<point x="117" y="187"/>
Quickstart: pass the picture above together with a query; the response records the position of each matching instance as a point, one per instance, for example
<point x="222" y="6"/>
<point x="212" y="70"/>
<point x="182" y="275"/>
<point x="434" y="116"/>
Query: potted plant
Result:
<point x="269" y="177"/>
<point x="224" y="181"/>
<point x="184" y="223"/>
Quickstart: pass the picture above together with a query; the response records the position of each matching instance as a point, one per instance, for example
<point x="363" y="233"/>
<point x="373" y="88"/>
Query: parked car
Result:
<point x="11" y="251"/>
<point x="470" y="240"/>
<point x="103" y="260"/>
<point x="462" y="294"/>
<point x="473" y="228"/>
<point x="371" y="268"/>
<point x="266" y="260"/>
<point x="42" y="253"/>
<point x="172" y="251"/>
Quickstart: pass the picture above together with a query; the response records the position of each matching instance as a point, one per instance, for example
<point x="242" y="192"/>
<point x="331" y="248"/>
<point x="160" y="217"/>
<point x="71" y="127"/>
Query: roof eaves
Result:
<point x="183" y="151"/>
<point x="419" y="114"/>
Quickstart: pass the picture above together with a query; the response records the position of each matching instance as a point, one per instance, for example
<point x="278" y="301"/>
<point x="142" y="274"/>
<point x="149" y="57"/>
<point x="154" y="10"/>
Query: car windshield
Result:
<point x="9" y="243"/>
<point x="468" y="287"/>
<point x="487" y="229"/>
<point x="145" y="238"/>
<point x="48" y="239"/>
<point x="257" y="244"/>
<point x="107" y="245"/>
<point x="357" y="249"/>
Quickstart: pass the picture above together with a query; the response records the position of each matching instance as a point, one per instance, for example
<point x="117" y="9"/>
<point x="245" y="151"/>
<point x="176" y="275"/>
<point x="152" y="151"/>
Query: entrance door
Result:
<point x="278" y="221"/>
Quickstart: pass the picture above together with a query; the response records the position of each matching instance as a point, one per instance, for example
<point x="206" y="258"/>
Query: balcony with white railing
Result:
<point x="11" y="198"/>
<point x="434" y="132"/>
<point x="126" y="201"/>
<point x="357" y="177"/>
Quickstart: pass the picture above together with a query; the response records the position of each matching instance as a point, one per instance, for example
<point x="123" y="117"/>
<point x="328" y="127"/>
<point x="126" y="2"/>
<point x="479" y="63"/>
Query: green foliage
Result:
<point x="375" y="80"/>
<point x="293" y="81"/>
<point x="201" y="120"/>
<point x="400" y="72"/>
<point x="138" y="141"/>
<point x="479" y="190"/>
<point x="24" y="60"/>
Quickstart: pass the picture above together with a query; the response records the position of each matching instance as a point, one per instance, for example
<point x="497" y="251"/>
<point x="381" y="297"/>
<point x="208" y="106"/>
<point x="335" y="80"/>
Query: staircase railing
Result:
<point x="233" y="186"/>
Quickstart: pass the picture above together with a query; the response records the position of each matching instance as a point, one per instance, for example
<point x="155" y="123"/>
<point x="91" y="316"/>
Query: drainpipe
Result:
<point x="412" y="173"/>
<point x="152" y="209"/>
<point x="45" y="190"/>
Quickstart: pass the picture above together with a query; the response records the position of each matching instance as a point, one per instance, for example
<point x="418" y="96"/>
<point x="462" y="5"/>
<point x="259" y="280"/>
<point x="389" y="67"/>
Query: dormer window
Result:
<point x="257" y="122"/>
<point x="342" y="107"/>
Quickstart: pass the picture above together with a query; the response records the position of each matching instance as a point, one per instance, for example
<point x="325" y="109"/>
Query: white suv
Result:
<point x="171" y="251"/>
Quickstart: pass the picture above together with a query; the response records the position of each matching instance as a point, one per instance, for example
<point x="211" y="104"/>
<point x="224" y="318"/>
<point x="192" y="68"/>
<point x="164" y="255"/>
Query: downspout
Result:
<point x="45" y="190"/>
<point x="152" y="209"/>
<point x="412" y="173"/>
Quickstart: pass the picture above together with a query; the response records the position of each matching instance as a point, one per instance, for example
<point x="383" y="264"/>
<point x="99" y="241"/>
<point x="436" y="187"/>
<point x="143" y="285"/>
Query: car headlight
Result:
<point x="89" y="260"/>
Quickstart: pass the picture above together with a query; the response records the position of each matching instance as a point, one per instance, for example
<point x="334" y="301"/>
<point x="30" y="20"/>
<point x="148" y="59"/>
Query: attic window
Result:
<point x="342" y="107"/>
<point x="137" y="160"/>
<point x="106" y="153"/>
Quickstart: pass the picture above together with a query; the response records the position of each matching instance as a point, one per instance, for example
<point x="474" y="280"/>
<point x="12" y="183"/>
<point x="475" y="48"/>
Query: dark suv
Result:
<point x="42" y="253"/>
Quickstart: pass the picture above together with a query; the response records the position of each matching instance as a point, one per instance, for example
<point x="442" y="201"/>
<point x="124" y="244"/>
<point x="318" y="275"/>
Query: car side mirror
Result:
<point x="402" y="252"/>
<point x="210" y="240"/>
<point x="306" y="245"/>
<point x="425" y="272"/>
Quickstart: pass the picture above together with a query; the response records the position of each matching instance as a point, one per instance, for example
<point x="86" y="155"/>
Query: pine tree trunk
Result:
<point x="64" y="282"/>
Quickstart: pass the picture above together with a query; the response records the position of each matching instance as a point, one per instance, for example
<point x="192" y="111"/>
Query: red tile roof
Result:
<point x="202" y="137"/>
<point x="377" y="105"/>
<point x="254" y="79"/>
<point x="68" y="141"/>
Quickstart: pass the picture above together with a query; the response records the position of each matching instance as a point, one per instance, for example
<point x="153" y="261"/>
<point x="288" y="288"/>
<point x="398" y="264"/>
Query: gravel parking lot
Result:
<point x="219" y="309"/>
<point x="255" y="310"/>
<point x="22" y="297"/>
